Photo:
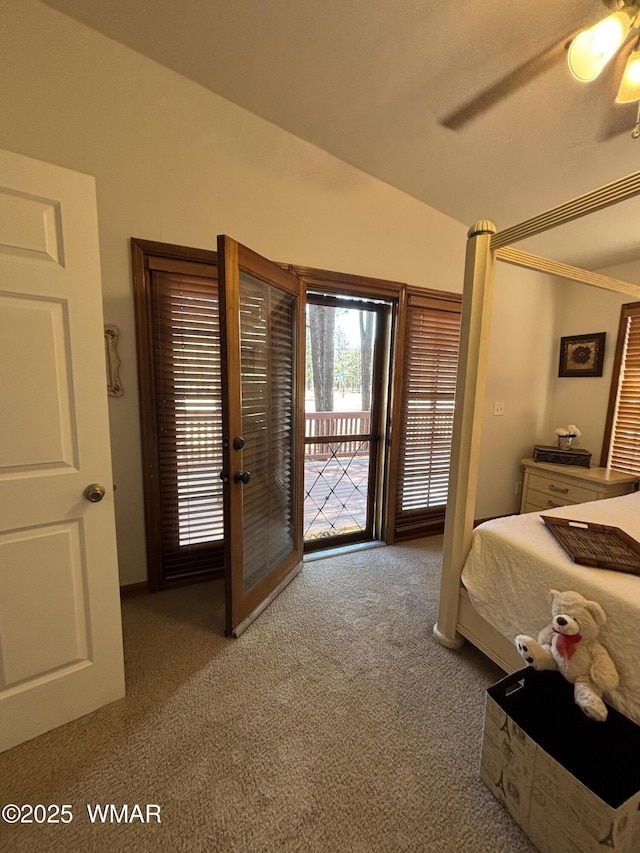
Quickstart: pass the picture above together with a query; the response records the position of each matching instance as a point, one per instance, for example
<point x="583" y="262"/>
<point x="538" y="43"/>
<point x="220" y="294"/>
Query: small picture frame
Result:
<point x="582" y="355"/>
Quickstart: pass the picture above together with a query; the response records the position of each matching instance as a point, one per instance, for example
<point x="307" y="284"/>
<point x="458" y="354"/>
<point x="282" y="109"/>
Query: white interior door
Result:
<point x="60" y="628"/>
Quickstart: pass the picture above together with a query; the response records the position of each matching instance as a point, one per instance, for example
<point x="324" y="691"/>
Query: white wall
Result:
<point x="520" y="356"/>
<point x="583" y="309"/>
<point x="175" y="163"/>
<point x="531" y="313"/>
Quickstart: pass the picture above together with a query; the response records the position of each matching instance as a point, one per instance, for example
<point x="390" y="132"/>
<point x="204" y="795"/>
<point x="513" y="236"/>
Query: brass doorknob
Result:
<point x="94" y="492"/>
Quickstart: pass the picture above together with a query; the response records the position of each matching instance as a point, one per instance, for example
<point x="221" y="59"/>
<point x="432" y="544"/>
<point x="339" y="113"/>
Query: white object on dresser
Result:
<point x="547" y="485"/>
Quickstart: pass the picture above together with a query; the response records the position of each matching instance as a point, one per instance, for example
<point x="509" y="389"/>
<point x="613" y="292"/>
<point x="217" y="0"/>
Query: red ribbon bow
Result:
<point x="566" y="644"/>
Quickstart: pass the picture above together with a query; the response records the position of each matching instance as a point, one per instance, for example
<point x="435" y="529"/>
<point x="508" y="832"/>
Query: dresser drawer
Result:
<point x="560" y="490"/>
<point x="538" y="501"/>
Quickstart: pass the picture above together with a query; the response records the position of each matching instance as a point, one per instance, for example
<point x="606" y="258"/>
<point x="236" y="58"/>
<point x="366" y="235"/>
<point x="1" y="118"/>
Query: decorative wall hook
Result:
<point x="114" y="387"/>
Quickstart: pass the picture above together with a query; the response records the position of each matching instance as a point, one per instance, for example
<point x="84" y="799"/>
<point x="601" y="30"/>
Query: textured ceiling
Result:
<point x="383" y="85"/>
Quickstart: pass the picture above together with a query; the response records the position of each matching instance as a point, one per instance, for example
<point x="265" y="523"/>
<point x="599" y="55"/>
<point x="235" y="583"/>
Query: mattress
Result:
<point x="515" y="561"/>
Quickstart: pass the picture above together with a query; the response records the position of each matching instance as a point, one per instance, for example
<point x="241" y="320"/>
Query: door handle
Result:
<point x="94" y="492"/>
<point x="242" y="477"/>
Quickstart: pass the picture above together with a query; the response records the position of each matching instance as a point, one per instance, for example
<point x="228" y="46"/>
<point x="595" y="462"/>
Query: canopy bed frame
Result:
<point x="457" y="619"/>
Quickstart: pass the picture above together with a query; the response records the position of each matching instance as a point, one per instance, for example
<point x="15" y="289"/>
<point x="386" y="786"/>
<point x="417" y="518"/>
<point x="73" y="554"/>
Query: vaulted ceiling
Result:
<point x="393" y="87"/>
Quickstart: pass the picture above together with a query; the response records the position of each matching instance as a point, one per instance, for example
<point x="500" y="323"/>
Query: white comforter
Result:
<point x="515" y="561"/>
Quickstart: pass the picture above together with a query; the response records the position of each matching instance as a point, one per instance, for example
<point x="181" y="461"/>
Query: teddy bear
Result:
<point x="569" y="644"/>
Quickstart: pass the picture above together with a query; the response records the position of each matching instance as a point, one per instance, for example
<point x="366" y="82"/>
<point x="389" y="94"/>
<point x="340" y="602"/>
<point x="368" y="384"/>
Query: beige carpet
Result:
<point x="335" y="723"/>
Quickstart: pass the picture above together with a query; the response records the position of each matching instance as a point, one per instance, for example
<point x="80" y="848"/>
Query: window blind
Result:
<point x="624" y="446"/>
<point x="267" y="321"/>
<point x="432" y="338"/>
<point x="188" y="401"/>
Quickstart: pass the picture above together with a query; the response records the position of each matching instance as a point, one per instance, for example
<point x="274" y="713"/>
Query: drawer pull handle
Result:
<point x="553" y="488"/>
<point x="553" y="503"/>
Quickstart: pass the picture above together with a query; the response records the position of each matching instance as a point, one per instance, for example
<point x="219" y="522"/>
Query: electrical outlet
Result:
<point x="519" y="487"/>
<point x="498" y="408"/>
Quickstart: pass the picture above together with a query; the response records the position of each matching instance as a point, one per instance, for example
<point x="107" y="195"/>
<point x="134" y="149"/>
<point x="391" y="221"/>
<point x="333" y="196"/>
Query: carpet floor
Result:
<point x="335" y="723"/>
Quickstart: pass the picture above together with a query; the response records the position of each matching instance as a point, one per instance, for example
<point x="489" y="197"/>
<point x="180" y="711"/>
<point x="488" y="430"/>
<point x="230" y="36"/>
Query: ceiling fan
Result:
<point x="588" y="52"/>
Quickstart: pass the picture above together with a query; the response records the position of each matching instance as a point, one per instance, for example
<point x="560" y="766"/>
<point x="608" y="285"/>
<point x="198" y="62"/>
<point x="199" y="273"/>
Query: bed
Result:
<point x="515" y="561"/>
<point x="464" y="612"/>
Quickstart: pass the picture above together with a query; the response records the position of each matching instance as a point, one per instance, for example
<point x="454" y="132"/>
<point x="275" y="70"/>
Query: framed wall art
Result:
<point x="582" y="355"/>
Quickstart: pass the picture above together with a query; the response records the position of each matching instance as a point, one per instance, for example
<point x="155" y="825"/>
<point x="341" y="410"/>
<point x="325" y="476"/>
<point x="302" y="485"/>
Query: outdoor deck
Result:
<point x="335" y="473"/>
<point x="335" y="495"/>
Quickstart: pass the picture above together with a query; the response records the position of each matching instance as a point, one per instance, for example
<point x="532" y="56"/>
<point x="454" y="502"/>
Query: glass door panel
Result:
<point x="344" y="387"/>
<point x="267" y="369"/>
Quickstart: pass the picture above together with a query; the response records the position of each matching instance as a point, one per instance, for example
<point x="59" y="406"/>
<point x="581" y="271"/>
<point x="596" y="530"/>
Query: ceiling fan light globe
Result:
<point x="629" y="90"/>
<point x="592" y="49"/>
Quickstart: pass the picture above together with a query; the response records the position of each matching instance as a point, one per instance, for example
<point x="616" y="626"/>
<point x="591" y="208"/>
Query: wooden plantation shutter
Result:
<point x="622" y="449"/>
<point x="178" y="347"/>
<point x="430" y="360"/>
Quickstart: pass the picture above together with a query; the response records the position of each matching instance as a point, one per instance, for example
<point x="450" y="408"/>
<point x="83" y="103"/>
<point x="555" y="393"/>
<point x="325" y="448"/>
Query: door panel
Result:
<point x="60" y="628"/>
<point x="262" y="336"/>
<point x="39" y="639"/>
<point x="39" y="430"/>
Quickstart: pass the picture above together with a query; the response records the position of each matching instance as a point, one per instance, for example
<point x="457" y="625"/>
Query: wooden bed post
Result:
<point x="467" y="425"/>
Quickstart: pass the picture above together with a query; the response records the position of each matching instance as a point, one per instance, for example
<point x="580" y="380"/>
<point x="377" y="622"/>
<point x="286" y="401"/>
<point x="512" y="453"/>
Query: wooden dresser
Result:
<point x="547" y="485"/>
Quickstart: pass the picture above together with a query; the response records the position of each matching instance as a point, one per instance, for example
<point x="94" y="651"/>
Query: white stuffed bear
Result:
<point x="569" y="644"/>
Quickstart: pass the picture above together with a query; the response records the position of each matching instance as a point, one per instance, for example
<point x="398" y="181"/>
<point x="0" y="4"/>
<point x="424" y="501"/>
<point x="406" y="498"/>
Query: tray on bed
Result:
<point x="599" y="545"/>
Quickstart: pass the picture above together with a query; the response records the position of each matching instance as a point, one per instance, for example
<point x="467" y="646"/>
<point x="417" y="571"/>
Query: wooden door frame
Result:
<point x="384" y="310"/>
<point x="366" y="287"/>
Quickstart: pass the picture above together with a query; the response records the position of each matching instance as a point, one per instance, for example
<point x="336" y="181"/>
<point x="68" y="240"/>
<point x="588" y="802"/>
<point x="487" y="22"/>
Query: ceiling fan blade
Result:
<point x="515" y="80"/>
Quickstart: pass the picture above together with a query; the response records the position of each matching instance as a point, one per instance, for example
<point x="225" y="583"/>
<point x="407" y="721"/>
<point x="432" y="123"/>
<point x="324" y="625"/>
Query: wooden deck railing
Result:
<point x="334" y="425"/>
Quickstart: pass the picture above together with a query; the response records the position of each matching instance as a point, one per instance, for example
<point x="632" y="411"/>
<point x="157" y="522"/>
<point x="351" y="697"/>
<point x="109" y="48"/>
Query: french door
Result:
<point x="373" y="470"/>
<point x="262" y="346"/>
